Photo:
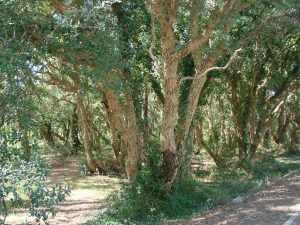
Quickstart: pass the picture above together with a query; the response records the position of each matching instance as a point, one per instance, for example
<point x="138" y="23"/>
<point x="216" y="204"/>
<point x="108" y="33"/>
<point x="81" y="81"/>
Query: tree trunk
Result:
<point x="199" y="131"/>
<point x="115" y="135"/>
<point x="253" y="148"/>
<point x="25" y="145"/>
<point x="75" y="142"/>
<point x="214" y="155"/>
<point x="266" y="139"/>
<point x="92" y="164"/>
<point x="145" y="115"/>
<point x="239" y="121"/>
<point x="135" y="147"/>
<point x="169" y="120"/>
<point x="171" y="89"/>
<point x="128" y="131"/>
<point x="283" y="122"/>
<point x="47" y="134"/>
<point x="295" y="134"/>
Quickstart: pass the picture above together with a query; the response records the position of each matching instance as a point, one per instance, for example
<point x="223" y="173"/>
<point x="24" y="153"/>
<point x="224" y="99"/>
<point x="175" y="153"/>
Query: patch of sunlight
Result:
<point x="98" y="184"/>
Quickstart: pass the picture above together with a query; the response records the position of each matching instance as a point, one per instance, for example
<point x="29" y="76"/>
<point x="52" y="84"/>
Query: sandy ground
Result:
<point x="89" y="193"/>
<point x="273" y="205"/>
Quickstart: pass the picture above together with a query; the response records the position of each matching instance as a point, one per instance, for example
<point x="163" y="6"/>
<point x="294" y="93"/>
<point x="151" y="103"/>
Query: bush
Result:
<point x="268" y="166"/>
<point x="23" y="183"/>
<point x="294" y="149"/>
<point x="143" y="200"/>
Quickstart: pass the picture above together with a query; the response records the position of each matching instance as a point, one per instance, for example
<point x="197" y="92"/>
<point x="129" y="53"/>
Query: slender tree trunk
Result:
<point x="253" y="149"/>
<point x="145" y="115"/>
<point x="66" y="131"/>
<point x="25" y="145"/>
<point x="266" y="139"/>
<point x="75" y="142"/>
<point x="295" y="134"/>
<point x="92" y="164"/>
<point x="47" y="133"/>
<point x="199" y="131"/>
<point x="213" y="136"/>
<point x="115" y="134"/>
<point x="262" y="128"/>
<point x="283" y="122"/>
<point x="240" y="124"/>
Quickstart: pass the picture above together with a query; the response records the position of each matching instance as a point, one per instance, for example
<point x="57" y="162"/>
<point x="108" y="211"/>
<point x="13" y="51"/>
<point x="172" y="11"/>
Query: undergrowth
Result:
<point x="143" y="201"/>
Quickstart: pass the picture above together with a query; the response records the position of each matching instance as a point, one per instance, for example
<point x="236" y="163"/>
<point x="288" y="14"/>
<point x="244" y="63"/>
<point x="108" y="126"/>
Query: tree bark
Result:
<point x="115" y="134"/>
<point x="92" y="164"/>
<point x="166" y="12"/>
<point x="199" y="131"/>
<point x="127" y="130"/>
<point x="295" y="134"/>
<point x="145" y="116"/>
<point x="47" y="134"/>
<point x="75" y="142"/>
<point x="25" y="145"/>
<point x="166" y="17"/>
<point x="283" y="122"/>
<point x="239" y="121"/>
<point x="169" y="120"/>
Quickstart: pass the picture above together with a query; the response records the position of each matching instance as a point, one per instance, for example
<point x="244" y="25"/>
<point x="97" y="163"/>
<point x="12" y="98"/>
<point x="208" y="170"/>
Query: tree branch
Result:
<point x="213" y="20"/>
<point x="150" y="50"/>
<point x="212" y="68"/>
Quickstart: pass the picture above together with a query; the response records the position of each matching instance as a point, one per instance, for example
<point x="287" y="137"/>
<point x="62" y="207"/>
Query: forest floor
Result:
<point x="274" y="204"/>
<point x="277" y="204"/>
<point x="88" y="193"/>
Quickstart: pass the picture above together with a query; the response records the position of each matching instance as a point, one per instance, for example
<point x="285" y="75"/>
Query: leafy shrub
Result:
<point x="294" y="149"/>
<point x="202" y="173"/>
<point x="23" y="183"/>
<point x="225" y="186"/>
<point x="268" y="166"/>
<point x="143" y="200"/>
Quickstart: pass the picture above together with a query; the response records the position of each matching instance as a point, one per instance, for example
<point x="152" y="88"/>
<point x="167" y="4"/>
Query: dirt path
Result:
<point x="88" y="193"/>
<point x="273" y="205"/>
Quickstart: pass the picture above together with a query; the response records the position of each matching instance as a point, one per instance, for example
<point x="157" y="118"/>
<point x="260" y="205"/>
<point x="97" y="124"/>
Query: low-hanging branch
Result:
<point x="212" y="68"/>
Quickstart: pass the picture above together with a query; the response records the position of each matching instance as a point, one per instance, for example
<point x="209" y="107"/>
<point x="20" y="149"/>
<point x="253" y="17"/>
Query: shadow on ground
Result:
<point x="88" y="193"/>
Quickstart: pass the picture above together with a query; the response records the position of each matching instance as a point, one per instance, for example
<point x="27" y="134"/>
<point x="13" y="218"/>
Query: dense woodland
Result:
<point x="144" y="90"/>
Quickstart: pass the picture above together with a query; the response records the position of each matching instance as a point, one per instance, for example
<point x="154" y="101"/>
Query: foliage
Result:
<point x="24" y="185"/>
<point x="268" y="166"/>
<point x="97" y="77"/>
<point x="196" y="194"/>
<point x="293" y="150"/>
<point x="144" y="200"/>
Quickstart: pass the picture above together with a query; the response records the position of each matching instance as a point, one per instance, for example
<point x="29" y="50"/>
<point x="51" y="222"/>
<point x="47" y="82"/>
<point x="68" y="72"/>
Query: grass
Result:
<point x="206" y="189"/>
<point x="66" y="170"/>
